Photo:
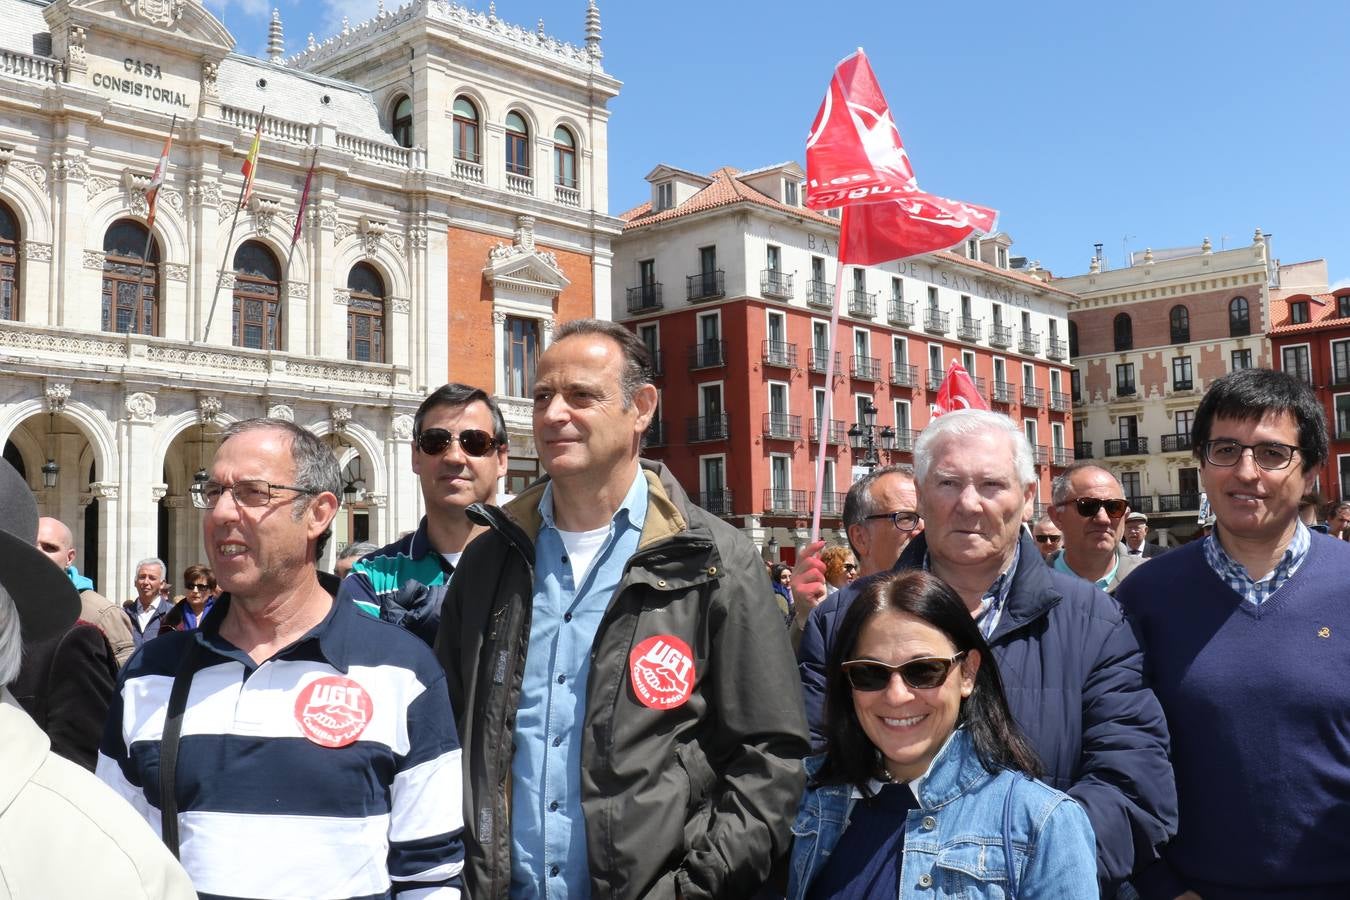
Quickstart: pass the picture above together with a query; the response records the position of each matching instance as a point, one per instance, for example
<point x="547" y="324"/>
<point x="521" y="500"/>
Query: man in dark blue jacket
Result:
<point x="1070" y="664"/>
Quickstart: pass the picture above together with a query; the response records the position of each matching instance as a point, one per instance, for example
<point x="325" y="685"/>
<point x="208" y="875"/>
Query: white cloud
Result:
<point x="356" y="11"/>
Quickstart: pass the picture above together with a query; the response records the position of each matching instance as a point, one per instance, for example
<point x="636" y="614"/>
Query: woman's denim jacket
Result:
<point x="954" y="840"/>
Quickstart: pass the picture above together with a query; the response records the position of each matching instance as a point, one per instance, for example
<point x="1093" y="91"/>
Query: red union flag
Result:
<point x="855" y="159"/>
<point x="957" y="391"/>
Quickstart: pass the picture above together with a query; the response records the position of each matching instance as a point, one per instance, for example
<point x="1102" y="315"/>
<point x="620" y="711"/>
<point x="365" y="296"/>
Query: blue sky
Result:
<point x="1143" y="124"/>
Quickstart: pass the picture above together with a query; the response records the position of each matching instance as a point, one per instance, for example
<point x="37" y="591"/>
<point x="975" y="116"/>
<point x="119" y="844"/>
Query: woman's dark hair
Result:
<point x="195" y="571"/>
<point x="851" y="757"/>
<point x="778" y="570"/>
<point x="1249" y="395"/>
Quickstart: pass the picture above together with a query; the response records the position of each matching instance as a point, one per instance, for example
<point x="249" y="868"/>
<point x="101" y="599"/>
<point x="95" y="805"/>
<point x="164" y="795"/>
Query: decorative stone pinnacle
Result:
<point x="276" y="44"/>
<point x="593" y="31"/>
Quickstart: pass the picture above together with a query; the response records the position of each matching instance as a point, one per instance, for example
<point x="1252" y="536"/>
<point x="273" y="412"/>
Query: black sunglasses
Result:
<point x="473" y="441"/>
<point x="199" y="587"/>
<point x="921" y="674"/>
<point x="1049" y="538"/>
<point x="1088" y="506"/>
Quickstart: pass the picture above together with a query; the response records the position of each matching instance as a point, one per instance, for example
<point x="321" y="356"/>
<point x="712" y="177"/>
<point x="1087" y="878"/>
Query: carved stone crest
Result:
<point x="208" y="408"/>
<point x="141" y="406"/>
<point x="403" y="428"/>
<point x="341" y="417"/>
<point x="281" y="411"/>
<point x="156" y="12"/>
<point x="57" y="395"/>
<point x="264" y="213"/>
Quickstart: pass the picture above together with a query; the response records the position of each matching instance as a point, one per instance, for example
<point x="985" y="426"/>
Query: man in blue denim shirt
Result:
<point x="631" y="722"/>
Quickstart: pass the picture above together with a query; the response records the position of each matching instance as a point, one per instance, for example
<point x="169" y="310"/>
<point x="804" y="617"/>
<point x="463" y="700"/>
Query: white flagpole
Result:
<point x="828" y="409"/>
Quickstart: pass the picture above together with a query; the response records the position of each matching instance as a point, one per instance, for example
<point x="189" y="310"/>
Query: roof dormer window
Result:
<point x="665" y="196"/>
<point x="1003" y="257"/>
<point x="790" y="193"/>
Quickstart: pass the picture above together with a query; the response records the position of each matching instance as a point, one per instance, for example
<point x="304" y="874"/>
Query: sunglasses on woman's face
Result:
<point x="921" y="674"/>
<point x="473" y="441"/>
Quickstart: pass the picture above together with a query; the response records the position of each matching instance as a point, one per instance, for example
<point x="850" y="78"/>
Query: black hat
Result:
<point x="47" y="602"/>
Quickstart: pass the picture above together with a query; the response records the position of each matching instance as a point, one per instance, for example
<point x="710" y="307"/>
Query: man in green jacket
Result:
<point x="624" y="688"/>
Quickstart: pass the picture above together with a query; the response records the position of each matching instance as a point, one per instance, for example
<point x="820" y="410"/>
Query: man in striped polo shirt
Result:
<point x="318" y="756"/>
<point x="458" y="454"/>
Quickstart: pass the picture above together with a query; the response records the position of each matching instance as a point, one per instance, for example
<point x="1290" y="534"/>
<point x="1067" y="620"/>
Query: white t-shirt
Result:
<point x="582" y="548"/>
<point x="452" y="558"/>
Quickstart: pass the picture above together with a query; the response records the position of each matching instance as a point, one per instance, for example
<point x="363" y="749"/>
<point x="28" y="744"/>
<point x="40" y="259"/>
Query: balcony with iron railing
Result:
<point x="1178" y="502"/>
<point x="831" y="504"/>
<point x="707" y="354"/>
<point x="935" y="377"/>
<point x="1003" y="392"/>
<point x="1182" y="384"/>
<point x="644" y="297"/>
<point x="936" y="321"/>
<point x="1028" y="342"/>
<point x="1059" y="401"/>
<point x="1136" y="446"/>
<point x="834" y="434"/>
<point x="864" y="368"/>
<point x="1176" y="443"/>
<point x="705" y="428"/>
<point x="1082" y="450"/>
<point x="1140" y="503"/>
<point x="898" y="312"/>
<point x="716" y="502"/>
<point x="1340" y="375"/>
<point x="785" y="502"/>
<point x="782" y="426"/>
<point x="819" y="294"/>
<point x="775" y="283"/>
<point x="1041" y="454"/>
<point x="901" y="440"/>
<point x="779" y="353"/>
<point x="1033" y="396"/>
<point x="655" y="435"/>
<point x="1000" y="336"/>
<point x="968" y="329"/>
<point x="862" y="304"/>
<point x="820" y="360"/>
<point x="1057" y="349"/>
<point x="1125" y="389"/>
<point x="706" y="285"/>
<point x="1060" y="456"/>
<point x="904" y="375"/>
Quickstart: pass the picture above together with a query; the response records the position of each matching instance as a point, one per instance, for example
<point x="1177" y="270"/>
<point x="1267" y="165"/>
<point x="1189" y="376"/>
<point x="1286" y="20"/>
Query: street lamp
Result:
<point x="864" y="436"/>
<point x="50" y="469"/>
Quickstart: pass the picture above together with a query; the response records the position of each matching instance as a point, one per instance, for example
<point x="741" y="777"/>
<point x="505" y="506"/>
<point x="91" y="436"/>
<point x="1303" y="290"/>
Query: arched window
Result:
<point x="402" y="120"/>
<point x="466" y="131"/>
<point x="1124" y="332"/>
<point x="130" y="282"/>
<point x="9" y="263"/>
<point x="1180" y="319"/>
<point x="1239" y="317"/>
<point x="1073" y="339"/>
<point x="565" y="158"/>
<point x="365" y="314"/>
<point x="257" y="298"/>
<point x="517" y="145"/>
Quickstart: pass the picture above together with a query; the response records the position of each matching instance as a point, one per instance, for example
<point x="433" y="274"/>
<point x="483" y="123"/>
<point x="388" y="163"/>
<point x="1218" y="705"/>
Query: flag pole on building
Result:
<point x="856" y="160"/>
<point x="249" y="168"/>
<point x="151" y="199"/>
<point x="300" y="214"/>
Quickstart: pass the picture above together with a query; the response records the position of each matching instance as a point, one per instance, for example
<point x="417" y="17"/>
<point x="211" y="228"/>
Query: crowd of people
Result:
<point x="590" y="690"/>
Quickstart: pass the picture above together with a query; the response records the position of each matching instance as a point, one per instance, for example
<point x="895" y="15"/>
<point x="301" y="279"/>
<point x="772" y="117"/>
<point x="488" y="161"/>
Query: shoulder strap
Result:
<point x="1007" y="837"/>
<point x="168" y="746"/>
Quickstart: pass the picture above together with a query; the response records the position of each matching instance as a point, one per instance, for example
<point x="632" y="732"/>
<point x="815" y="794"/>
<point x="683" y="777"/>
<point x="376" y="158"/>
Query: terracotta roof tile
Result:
<point x="1320" y="312"/>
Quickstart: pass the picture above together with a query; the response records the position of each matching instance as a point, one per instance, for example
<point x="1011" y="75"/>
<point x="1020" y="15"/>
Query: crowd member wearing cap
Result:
<point x="1089" y="506"/>
<point x="318" y="755"/>
<point x="459" y="453"/>
<point x="1244" y="636"/>
<point x="1049" y="538"/>
<point x="65" y="836"/>
<point x="57" y="543"/>
<point x="623" y="680"/>
<point x="1136" y="536"/>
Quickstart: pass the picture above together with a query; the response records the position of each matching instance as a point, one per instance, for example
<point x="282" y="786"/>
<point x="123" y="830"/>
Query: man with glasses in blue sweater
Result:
<point x="1246" y="639"/>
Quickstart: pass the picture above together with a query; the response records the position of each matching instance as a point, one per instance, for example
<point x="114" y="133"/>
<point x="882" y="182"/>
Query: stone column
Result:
<point x="138" y="517"/>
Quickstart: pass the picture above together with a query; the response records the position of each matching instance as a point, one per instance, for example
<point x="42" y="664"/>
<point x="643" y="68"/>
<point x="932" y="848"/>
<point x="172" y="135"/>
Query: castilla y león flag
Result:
<point x="957" y="391"/>
<point x="855" y="159"/>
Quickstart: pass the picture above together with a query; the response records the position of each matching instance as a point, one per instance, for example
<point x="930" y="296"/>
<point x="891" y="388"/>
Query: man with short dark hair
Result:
<point x="1338" y="519"/>
<point x="1244" y="636"/>
<point x="1088" y="504"/>
<point x="318" y="755"/>
<point x="1047" y="535"/>
<point x="458" y="455"/>
<point x="622" y="678"/>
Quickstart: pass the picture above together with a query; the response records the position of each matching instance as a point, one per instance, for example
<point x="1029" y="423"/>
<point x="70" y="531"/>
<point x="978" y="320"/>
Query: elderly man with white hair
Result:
<point x="1071" y="665"/>
<point x="64" y="833"/>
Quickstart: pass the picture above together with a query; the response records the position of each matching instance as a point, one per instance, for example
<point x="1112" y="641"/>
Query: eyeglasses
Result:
<point x="903" y="519"/>
<point x="198" y="587"/>
<point x="1270" y="455"/>
<point x="473" y="441"/>
<point x="250" y="492"/>
<point x="850" y="567"/>
<point x="1088" y="506"/>
<point x="922" y="674"/>
<point x="1050" y="538"/>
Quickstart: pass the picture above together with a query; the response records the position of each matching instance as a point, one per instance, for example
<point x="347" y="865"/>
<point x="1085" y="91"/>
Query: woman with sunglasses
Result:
<point x="187" y="614"/>
<point x="925" y="790"/>
<point x="840" y="567"/>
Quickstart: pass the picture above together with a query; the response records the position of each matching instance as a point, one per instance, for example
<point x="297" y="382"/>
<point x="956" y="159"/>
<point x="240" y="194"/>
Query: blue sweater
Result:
<point x="1258" y="705"/>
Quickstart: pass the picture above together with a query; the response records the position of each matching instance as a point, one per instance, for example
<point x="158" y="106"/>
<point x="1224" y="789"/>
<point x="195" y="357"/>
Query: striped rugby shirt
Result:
<point x="331" y="770"/>
<point x="403" y="582"/>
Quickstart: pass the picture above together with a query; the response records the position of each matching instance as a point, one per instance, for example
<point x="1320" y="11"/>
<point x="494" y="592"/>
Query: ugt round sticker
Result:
<point x="333" y="711"/>
<point x="661" y="669"/>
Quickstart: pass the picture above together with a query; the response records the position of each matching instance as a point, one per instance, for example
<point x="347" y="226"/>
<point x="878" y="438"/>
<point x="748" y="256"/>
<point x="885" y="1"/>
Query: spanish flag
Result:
<point x="250" y="166"/>
<point x="157" y="180"/>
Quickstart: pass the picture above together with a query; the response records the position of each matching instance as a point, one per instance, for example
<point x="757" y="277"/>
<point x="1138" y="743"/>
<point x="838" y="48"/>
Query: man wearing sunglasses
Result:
<point x="1246" y="637"/>
<point x="1088" y="504"/>
<point x="458" y="454"/>
<point x="1049" y="539"/>
<point x="623" y="682"/>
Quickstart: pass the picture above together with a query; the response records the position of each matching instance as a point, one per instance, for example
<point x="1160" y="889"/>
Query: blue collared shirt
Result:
<point x="548" y="833"/>
<point x="1104" y="582"/>
<point x="994" y="599"/>
<point x="1234" y="574"/>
